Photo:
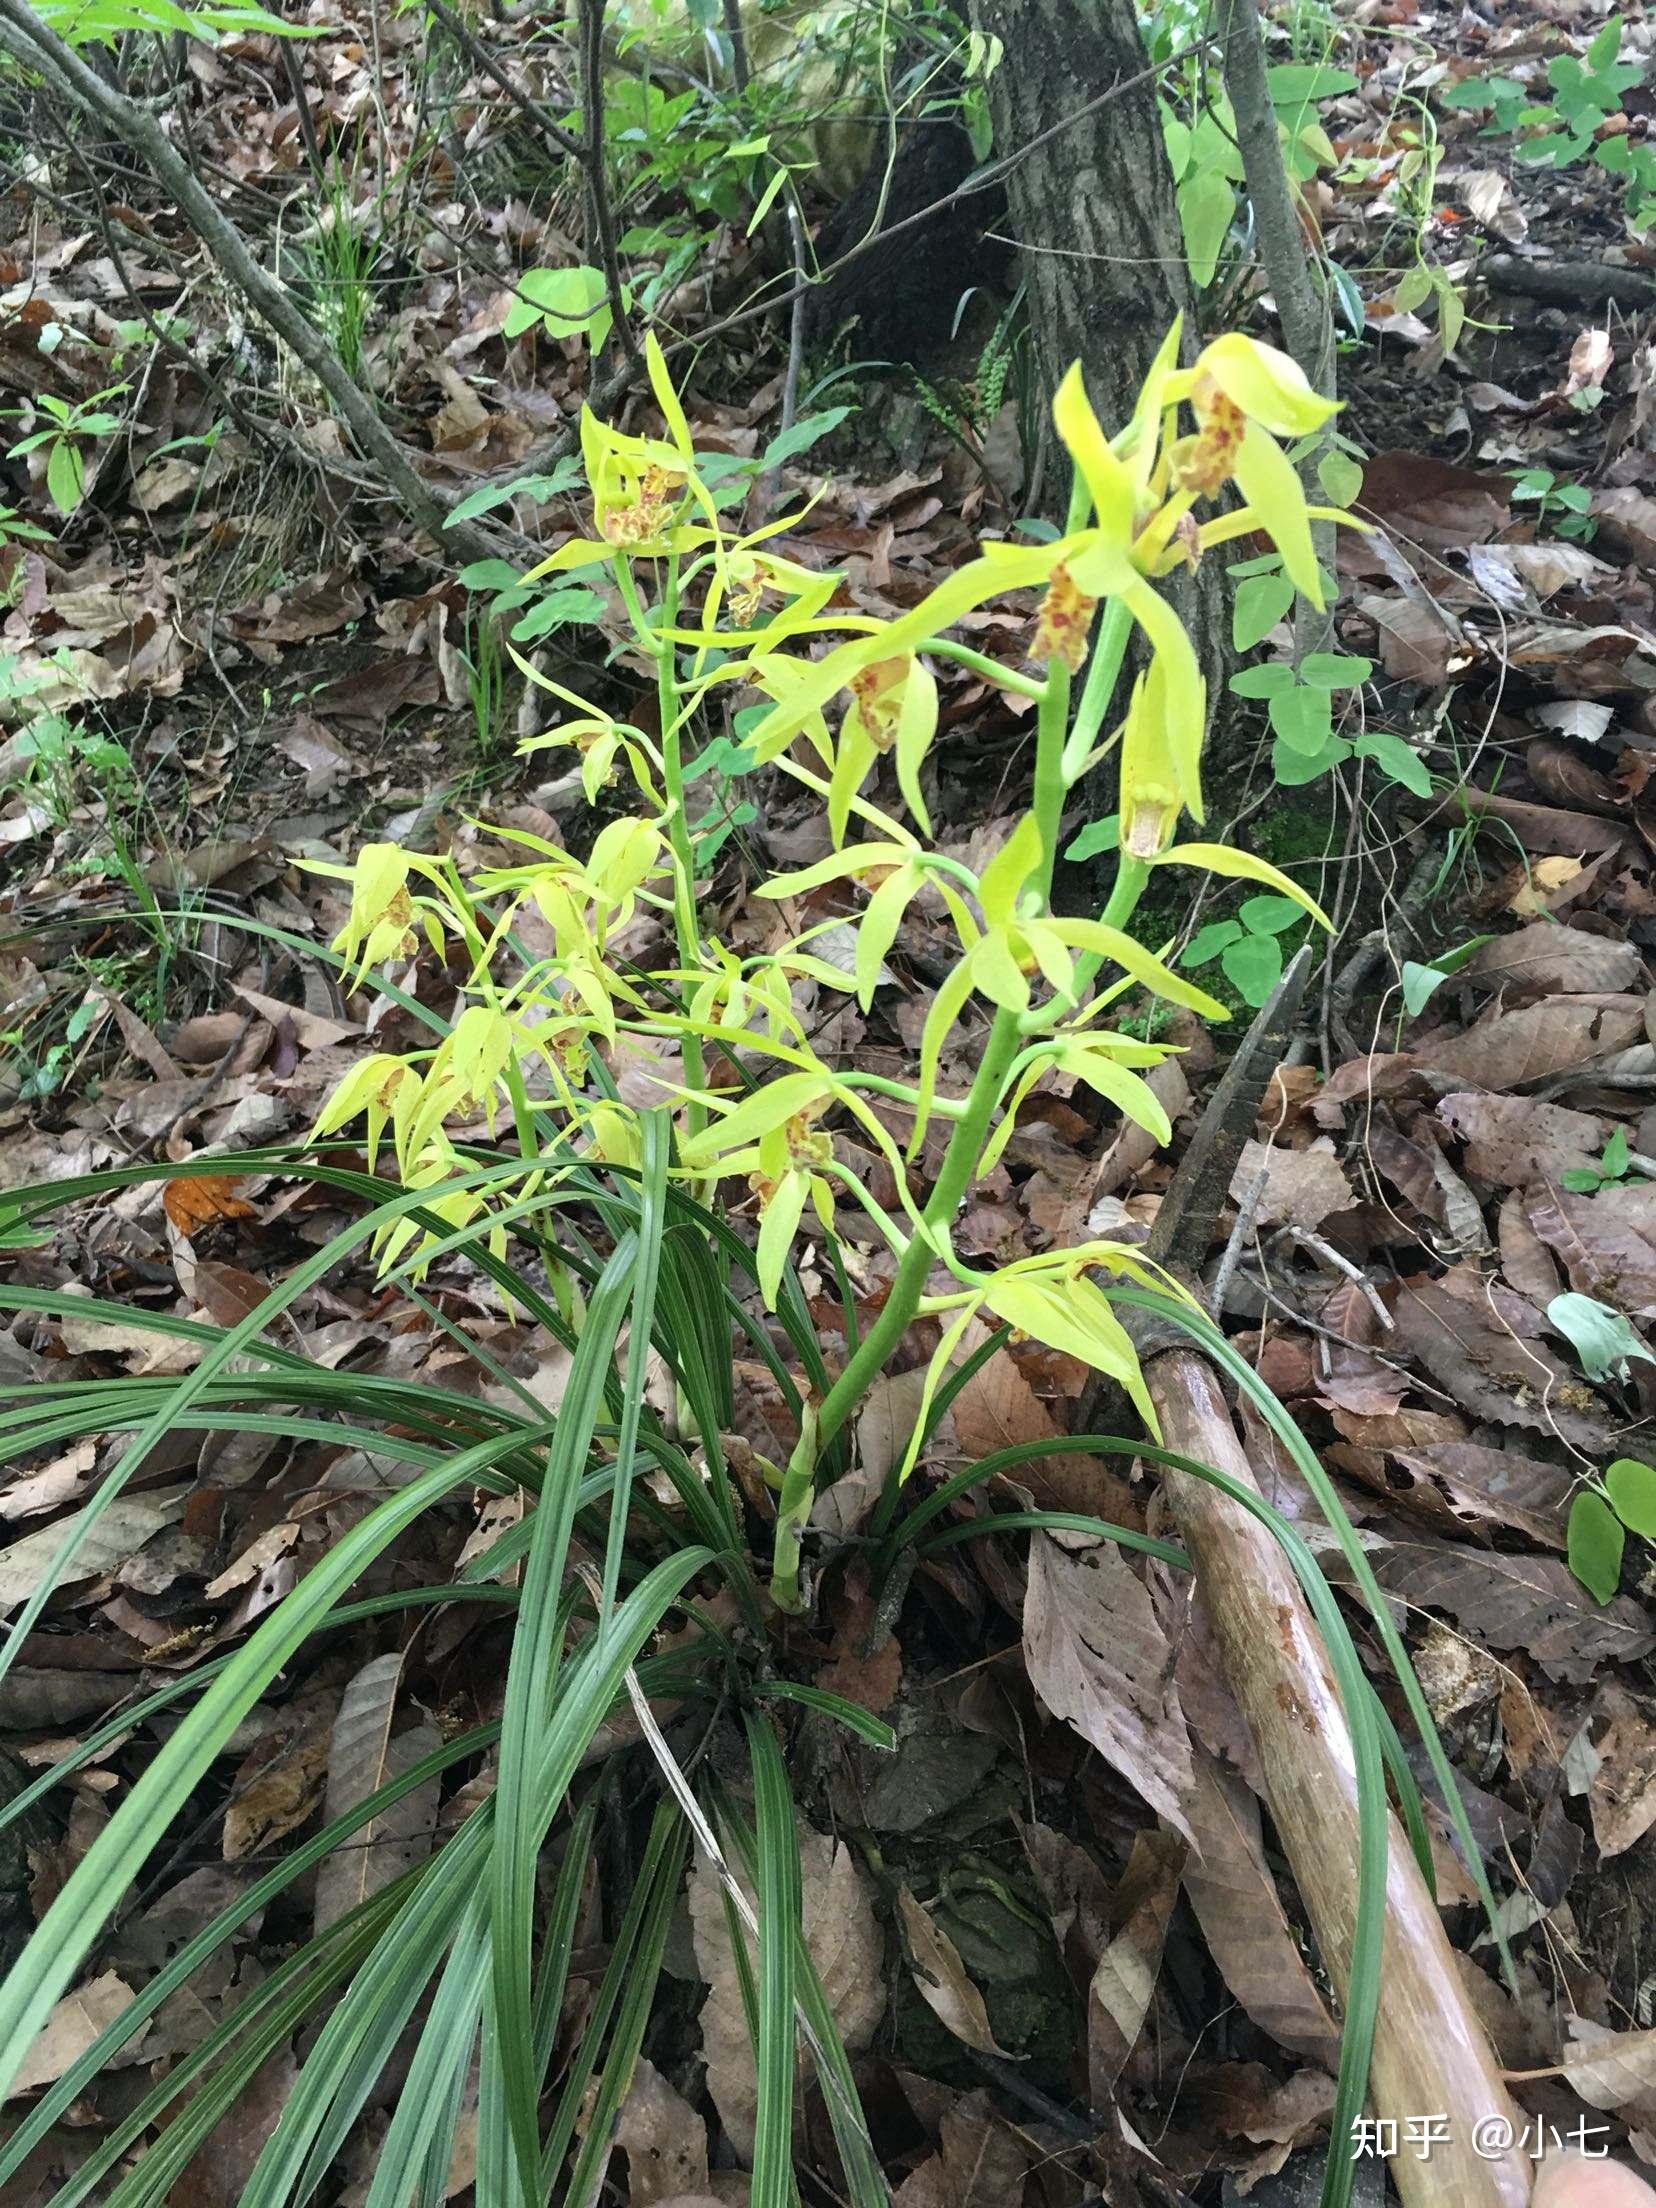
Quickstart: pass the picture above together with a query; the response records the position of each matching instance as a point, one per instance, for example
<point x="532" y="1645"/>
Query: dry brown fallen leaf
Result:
<point x="663" y="2138"/>
<point x="1302" y="1187"/>
<point x="1507" y="1049"/>
<point x="195" y="1202"/>
<point x="364" y="1754"/>
<point x="1613" y="2070"/>
<point x="981" y="2162"/>
<point x="120" y="1530"/>
<point x="1606" y="1242"/>
<point x="278" y="1784"/>
<point x="1242" y="1919"/>
<point x="998" y="1408"/>
<point x="71" y="2028"/>
<point x="1120" y="1991"/>
<point x="942" y="1979"/>
<point x="1514" y="1140"/>
<point x="1484" y="1346"/>
<point x="1621" y="1795"/>
<point x="843" y="1941"/>
<point x="1547" y="957"/>
<point x="1099" y="1660"/>
<point x="1497" y="1487"/>
<point x="1530" y="1602"/>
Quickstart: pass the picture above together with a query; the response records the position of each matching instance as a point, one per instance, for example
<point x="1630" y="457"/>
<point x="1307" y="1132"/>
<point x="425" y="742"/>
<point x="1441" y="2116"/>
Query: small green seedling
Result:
<point x="1604" y="1343"/>
<point x="1300" y="704"/>
<point x="1587" y="92"/>
<point x="565" y="302"/>
<point x="1248" y="948"/>
<point x="1602" y="1516"/>
<point x="15" y="530"/>
<point x="1567" y="507"/>
<point x="1614" y="1165"/>
<point x="71" y="427"/>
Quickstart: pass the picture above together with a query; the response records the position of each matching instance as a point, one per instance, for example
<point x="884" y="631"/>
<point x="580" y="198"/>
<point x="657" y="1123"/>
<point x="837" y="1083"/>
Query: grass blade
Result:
<point x="776" y="1850"/>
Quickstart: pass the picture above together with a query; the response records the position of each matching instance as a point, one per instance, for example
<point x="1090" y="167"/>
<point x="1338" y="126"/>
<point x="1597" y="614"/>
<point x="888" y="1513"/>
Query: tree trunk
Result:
<point x="1093" y="207"/>
<point x="1103" y="256"/>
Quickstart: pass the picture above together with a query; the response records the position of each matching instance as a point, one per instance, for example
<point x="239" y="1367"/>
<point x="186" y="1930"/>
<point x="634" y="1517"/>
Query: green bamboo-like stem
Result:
<point x="685" y="925"/>
<point x="953" y="1179"/>
<point x="1051" y="787"/>
<point x="971" y="1130"/>
<point x="1129" y="885"/>
<point x="1099" y="687"/>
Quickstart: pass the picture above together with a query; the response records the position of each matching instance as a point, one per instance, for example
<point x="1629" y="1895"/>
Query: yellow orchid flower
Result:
<point x="643" y="489"/>
<point x="772" y="1140"/>
<point x="386" y="918"/>
<point x="1099" y="1061"/>
<point x="1161" y="762"/>
<point x="1258" y="380"/>
<point x="387" y="1091"/>
<point x="895" y="873"/>
<point x="1016" y="945"/>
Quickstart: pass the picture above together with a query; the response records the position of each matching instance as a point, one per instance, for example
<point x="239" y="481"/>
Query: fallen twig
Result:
<point x="1430" y="2051"/>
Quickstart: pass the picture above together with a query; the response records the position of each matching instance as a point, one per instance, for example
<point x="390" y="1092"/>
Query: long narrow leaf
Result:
<point x="776" y="1846"/>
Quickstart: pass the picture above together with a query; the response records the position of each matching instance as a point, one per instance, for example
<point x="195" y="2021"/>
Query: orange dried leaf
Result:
<point x="196" y="1202"/>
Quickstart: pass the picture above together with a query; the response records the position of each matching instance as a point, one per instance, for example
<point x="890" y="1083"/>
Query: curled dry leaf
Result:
<point x="1118" y="1997"/>
<point x="942" y="1978"/>
<point x="1514" y="1140"/>
<point x="664" y="2140"/>
<point x="1613" y="2069"/>
<point x="1621" y="1795"/>
<point x="1527" y="1265"/>
<point x="1099" y="1660"/>
<point x="1535" y="1043"/>
<point x="122" y="1529"/>
<point x="1530" y="1602"/>
<point x="1606" y="1241"/>
<point x="1545" y="957"/>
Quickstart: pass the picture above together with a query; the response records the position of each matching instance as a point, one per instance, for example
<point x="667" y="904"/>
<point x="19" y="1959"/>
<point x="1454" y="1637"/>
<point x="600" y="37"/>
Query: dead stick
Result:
<point x="1431" y="2056"/>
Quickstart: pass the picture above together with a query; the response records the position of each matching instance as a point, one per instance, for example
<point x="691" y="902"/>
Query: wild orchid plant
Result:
<point x="715" y="614"/>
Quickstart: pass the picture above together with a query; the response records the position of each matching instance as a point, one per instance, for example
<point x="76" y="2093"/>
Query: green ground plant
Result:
<point x="630" y="1233"/>
<point x="71" y="427"/>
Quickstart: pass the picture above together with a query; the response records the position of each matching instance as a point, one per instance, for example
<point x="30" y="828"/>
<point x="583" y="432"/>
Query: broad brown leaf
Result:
<point x="942" y="1979"/>
<point x="1099" y="1660"/>
<point x="1514" y="1140"/>
<point x="1530" y="1602"/>
<point x="364" y="1754"/>
<point x="1606" y="1241"/>
<point x="1242" y="1919"/>
<point x="1484" y="1345"/>
<point x="1537" y="1042"/>
<point x="1547" y="958"/>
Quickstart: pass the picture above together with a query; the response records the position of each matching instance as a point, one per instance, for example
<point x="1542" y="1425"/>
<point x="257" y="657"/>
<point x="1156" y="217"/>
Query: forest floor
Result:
<point x="1443" y="1240"/>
